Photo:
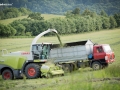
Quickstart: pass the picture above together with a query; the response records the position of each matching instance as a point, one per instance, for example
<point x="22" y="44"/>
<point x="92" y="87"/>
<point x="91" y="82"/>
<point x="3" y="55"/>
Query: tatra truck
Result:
<point x="74" y="55"/>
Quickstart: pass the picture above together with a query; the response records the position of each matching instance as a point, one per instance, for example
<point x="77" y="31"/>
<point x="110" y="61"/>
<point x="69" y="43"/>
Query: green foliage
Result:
<point x="113" y="23"/>
<point x="87" y="21"/>
<point x="13" y="12"/>
<point x="7" y="30"/>
<point x="103" y="13"/>
<point x="106" y="22"/>
<point x="117" y="18"/>
<point x="76" y="11"/>
<point x="35" y="16"/>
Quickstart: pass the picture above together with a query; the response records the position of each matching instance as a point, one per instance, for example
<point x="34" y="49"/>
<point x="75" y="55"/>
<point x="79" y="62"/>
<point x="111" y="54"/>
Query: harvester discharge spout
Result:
<point x="42" y="34"/>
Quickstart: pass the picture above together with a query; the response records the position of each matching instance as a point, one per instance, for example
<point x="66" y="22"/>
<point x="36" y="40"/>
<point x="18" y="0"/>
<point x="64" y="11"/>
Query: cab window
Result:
<point x="99" y="50"/>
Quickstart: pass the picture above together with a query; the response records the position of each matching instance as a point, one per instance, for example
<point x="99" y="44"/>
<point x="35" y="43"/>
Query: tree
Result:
<point x="76" y="11"/>
<point x="68" y="14"/>
<point x="103" y="13"/>
<point x="117" y="18"/>
<point x="1" y="29"/>
<point x="106" y="22"/>
<point x="113" y="23"/>
<point x="1" y="15"/>
<point x="12" y="30"/>
<point x="20" y="29"/>
<point x="35" y="16"/>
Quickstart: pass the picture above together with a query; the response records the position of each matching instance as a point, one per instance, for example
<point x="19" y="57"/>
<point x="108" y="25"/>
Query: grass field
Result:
<point x="83" y="79"/>
<point x="46" y="17"/>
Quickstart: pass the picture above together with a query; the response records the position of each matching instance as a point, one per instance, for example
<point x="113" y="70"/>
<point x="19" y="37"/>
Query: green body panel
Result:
<point x="37" y="60"/>
<point x="16" y="62"/>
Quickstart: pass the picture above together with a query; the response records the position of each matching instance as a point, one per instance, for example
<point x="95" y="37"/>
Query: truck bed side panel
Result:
<point x="69" y="53"/>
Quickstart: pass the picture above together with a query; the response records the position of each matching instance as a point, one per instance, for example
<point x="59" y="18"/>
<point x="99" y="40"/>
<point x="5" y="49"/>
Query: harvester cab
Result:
<point x="41" y="51"/>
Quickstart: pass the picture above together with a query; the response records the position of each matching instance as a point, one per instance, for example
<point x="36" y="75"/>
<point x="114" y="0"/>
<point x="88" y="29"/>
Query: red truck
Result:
<point x="82" y="53"/>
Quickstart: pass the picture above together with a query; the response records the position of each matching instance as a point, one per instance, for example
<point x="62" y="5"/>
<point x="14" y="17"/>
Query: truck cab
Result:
<point x="103" y="53"/>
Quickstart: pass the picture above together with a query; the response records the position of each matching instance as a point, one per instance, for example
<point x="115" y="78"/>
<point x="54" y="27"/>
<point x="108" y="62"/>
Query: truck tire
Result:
<point x="66" y="67"/>
<point x="72" y="67"/>
<point x="96" y="66"/>
<point x="32" y="71"/>
<point x="7" y="74"/>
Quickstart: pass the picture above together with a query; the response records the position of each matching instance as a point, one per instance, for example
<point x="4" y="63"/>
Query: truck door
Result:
<point x="99" y="53"/>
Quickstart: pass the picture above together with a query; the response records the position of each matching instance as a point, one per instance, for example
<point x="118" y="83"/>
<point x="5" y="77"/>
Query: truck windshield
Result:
<point x="107" y="48"/>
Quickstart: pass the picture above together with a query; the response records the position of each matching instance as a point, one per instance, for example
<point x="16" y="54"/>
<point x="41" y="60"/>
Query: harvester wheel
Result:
<point x="96" y="66"/>
<point x="7" y="74"/>
<point x="32" y="71"/>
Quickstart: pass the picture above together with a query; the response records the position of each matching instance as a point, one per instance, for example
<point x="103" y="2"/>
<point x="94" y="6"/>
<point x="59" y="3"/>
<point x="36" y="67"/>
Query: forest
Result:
<point x="61" y="6"/>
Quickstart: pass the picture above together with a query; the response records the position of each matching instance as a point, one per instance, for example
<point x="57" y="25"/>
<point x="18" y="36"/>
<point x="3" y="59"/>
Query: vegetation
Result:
<point x="60" y="7"/>
<point x="35" y="16"/>
<point x="74" y="22"/>
<point x="83" y="79"/>
<point x="13" y="12"/>
<point x="45" y="16"/>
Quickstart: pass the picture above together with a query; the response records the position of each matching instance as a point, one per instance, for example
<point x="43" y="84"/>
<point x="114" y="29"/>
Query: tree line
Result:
<point x="13" y="12"/>
<point x="74" y="22"/>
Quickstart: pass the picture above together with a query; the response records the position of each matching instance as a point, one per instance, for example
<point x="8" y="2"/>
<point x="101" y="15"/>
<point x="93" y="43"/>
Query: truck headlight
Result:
<point x="106" y="57"/>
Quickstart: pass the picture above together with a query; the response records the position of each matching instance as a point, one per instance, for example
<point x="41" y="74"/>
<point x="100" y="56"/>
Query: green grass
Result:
<point x="83" y="79"/>
<point x="7" y="21"/>
<point x="46" y="17"/>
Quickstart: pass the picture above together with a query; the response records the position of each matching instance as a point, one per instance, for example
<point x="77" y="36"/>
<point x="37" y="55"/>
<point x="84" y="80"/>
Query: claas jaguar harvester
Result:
<point x="30" y="64"/>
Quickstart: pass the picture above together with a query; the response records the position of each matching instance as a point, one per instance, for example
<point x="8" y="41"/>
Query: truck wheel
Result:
<point x="7" y="74"/>
<point x="66" y="67"/>
<point x="32" y="71"/>
<point x="71" y="67"/>
<point x="96" y="66"/>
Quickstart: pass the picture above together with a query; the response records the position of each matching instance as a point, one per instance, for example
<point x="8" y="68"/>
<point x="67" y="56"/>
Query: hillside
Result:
<point x="46" y="17"/>
<point x="61" y="6"/>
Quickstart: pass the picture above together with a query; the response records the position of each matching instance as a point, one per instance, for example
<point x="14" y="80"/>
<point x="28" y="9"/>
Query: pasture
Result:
<point x="82" y="79"/>
<point x="46" y="17"/>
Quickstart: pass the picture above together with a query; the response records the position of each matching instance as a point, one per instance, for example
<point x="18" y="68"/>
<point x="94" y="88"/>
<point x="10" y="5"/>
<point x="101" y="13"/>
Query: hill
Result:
<point x="46" y="17"/>
<point x="61" y="6"/>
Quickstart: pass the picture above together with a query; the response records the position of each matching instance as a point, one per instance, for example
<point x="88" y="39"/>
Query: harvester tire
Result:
<point x="7" y="74"/>
<point x="96" y="66"/>
<point x="32" y="71"/>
